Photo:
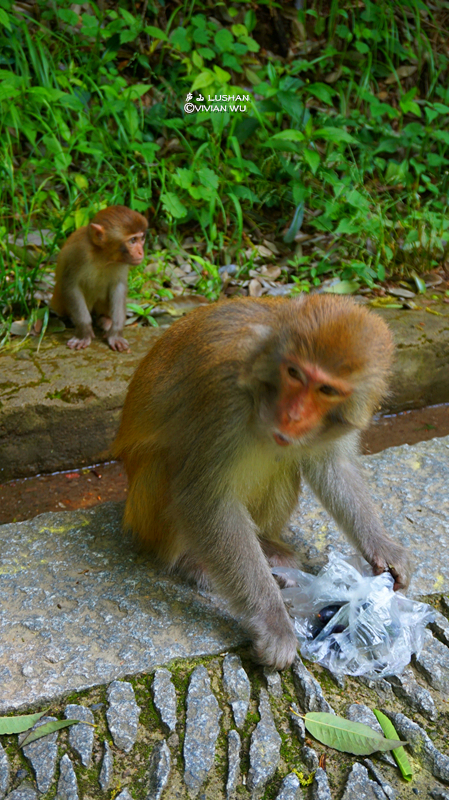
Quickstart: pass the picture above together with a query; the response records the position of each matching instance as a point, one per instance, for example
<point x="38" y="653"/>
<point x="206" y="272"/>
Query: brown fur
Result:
<point x="206" y="478"/>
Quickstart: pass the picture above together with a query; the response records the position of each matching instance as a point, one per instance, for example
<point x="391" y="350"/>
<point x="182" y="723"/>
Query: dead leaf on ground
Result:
<point x="255" y="288"/>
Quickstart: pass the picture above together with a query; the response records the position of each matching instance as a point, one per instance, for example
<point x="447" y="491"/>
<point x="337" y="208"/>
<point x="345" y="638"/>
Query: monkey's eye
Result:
<point x="296" y="374"/>
<point x="329" y="390"/>
<point x="133" y="240"/>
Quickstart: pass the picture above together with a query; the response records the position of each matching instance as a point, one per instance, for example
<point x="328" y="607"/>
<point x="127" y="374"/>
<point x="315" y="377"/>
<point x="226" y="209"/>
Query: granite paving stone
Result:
<point x="118" y="614"/>
<point x="407" y="688"/>
<point x="308" y="690"/>
<point x="23" y="792"/>
<point x="67" y="783"/>
<point x="297" y="722"/>
<point x="378" y="776"/>
<point x="310" y="758"/>
<point x="122" y="714"/>
<point x="158" y="770"/>
<point x="164" y="696"/>
<point x="4" y="772"/>
<point x="264" y="752"/>
<point x="124" y="795"/>
<point x="320" y="786"/>
<point x="360" y="787"/>
<point x="421" y="745"/>
<point x="42" y="755"/>
<point x="273" y="680"/>
<point x="433" y="663"/>
<point x="201" y="731"/>
<point x="233" y="774"/>
<point x="237" y="687"/>
<point x="290" y="788"/>
<point x="81" y="737"/>
<point x="439" y="794"/>
<point x="107" y="767"/>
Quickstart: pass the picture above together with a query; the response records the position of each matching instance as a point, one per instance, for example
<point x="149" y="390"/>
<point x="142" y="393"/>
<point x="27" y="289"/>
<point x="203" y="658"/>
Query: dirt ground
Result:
<point x="25" y="498"/>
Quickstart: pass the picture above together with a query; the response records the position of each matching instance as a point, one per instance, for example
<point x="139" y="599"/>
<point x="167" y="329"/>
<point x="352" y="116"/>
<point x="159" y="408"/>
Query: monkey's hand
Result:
<point x="118" y="343"/>
<point x="274" y="640"/>
<point x="79" y="344"/>
<point x="391" y="557"/>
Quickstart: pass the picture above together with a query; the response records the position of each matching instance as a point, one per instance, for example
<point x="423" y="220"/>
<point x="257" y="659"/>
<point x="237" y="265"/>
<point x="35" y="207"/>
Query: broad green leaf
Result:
<point x="183" y="177"/>
<point x="155" y="32"/>
<point x="208" y="178"/>
<point x="203" y="79"/>
<point x="313" y="159"/>
<point x="206" y="53"/>
<point x="239" y="30"/>
<point x="250" y="20"/>
<point x="4" y="20"/>
<point x="50" y="727"/>
<point x="223" y="39"/>
<point x="173" y="205"/>
<point x="289" y="135"/>
<point x="68" y="16"/>
<point x="179" y="38"/>
<point x="221" y="74"/>
<point x="399" y="752"/>
<point x="322" y="92"/>
<point x="442" y="136"/>
<point x="252" y="77"/>
<point x="346" y="226"/>
<point x="347" y="736"/>
<point x="334" y="135"/>
<point x="21" y="723"/>
<point x="135" y="90"/>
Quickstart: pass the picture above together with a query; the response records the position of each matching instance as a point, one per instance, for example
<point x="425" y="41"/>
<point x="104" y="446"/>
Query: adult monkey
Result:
<point x="228" y="410"/>
<point x="92" y="274"/>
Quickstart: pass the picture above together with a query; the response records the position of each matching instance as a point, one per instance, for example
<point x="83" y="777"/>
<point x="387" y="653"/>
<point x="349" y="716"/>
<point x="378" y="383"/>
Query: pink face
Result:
<point x="307" y="394"/>
<point x="134" y="245"/>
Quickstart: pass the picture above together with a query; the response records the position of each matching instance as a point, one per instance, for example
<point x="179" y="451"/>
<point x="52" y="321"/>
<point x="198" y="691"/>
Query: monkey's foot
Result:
<point x="118" y="343"/>
<point x="274" y="644"/>
<point x="79" y="344"/>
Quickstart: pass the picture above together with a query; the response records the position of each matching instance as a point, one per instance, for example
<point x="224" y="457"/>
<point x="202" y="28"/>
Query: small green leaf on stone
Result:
<point x="19" y="724"/>
<point x="399" y="753"/>
<point x="347" y="736"/>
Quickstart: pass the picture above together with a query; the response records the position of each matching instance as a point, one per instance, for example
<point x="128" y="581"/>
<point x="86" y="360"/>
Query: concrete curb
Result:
<point x="60" y="409"/>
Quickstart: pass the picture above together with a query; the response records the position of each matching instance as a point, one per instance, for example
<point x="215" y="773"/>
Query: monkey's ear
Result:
<point x="97" y="234"/>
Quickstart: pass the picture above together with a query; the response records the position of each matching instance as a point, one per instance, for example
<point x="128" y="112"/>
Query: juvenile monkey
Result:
<point x="229" y="409"/>
<point x="92" y="274"/>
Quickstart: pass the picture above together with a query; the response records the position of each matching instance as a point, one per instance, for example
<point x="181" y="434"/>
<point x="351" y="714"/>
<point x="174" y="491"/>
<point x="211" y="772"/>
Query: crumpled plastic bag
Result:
<point x="374" y="632"/>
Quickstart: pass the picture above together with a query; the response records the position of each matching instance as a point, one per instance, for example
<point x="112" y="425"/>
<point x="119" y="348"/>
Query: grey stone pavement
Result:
<point x="80" y="610"/>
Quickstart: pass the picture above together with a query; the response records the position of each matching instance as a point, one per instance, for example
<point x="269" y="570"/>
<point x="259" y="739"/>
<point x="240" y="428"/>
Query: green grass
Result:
<point x="341" y="156"/>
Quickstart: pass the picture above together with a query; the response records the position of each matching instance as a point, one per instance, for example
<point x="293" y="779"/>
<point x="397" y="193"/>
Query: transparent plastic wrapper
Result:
<point x="351" y="621"/>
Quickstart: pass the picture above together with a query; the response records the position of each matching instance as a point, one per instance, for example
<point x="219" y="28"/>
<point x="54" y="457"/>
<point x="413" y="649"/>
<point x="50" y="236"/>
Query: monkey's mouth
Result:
<point x="280" y="439"/>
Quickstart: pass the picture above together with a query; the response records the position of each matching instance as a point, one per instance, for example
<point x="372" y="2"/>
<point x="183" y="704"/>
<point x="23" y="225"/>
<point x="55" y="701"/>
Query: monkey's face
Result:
<point x="131" y="249"/>
<point x="307" y="396"/>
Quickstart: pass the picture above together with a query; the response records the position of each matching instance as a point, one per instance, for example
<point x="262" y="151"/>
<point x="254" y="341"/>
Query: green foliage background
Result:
<point x="344" y="143"/>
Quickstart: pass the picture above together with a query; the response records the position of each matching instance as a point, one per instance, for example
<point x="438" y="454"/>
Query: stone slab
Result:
<point x="79" y="607"/>
<point x="409" y="486"/>
<point x="60" y="409"/>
